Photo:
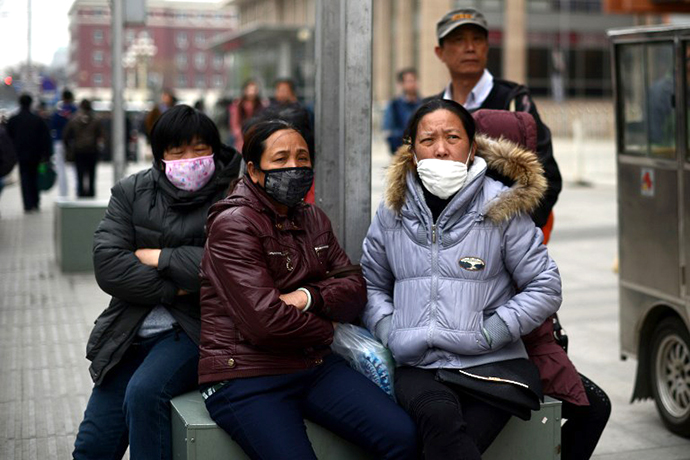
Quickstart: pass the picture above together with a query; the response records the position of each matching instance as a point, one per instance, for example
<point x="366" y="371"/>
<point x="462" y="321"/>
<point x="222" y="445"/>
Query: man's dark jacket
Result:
<point x="147" y="211"/>
<point x="31" y="137"/>
<point x="507" y="95"/>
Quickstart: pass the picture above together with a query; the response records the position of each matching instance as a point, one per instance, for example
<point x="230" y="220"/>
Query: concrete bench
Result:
<point x="196" y="437"/>
<point x="75" y="223"/>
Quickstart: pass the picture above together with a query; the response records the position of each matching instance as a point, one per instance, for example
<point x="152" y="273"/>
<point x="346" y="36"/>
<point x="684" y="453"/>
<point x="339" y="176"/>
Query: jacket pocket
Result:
<point x="102" y="330"/>
<point x="321" y="248"/>
<point x="408" y="346"/>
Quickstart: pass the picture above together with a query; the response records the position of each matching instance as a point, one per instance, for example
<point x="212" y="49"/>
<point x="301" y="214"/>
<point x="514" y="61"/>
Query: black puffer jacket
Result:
<point x="147" y="211"/>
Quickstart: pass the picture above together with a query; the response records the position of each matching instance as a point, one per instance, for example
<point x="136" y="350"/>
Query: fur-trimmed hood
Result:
<point x="503" y="157"/>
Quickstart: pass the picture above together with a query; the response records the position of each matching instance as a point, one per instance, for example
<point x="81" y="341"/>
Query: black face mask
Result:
<point x="288" y="186"/>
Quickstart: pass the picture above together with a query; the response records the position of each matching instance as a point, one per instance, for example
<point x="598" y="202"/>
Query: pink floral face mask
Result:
<point x="190" y="174"/>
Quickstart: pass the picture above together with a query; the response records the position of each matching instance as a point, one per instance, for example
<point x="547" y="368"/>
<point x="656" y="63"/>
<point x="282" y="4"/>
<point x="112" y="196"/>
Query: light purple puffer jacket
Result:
<point x="433" y="285"/>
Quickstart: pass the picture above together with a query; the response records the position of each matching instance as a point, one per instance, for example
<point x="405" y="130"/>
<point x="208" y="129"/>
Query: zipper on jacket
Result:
<point x="434" y="287"/>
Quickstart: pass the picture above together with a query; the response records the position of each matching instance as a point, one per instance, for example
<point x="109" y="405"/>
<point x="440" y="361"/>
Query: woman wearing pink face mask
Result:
<point x="147" y="252"/>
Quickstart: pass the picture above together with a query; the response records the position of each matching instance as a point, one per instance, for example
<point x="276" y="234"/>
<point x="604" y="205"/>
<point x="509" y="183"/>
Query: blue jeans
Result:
<point x="132" y="404"/>
<point x="264" y="415"/>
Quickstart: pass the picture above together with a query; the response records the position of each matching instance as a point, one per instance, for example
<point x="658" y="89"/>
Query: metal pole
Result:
<point x="118" y="76"/>
<point x="343" y="118"/>
<point x="29" y="82"/>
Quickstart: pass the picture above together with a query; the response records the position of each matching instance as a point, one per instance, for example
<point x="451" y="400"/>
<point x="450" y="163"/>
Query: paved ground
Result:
<point x="45" y="317"/>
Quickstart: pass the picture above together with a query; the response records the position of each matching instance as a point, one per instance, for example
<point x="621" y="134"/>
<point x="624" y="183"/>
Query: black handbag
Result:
<point x="513" y="385"/>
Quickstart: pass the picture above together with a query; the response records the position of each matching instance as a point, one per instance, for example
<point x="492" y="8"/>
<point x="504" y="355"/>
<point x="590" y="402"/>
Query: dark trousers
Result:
<point x="265" y="415"/>
<point x="452" y="425"/>
<point x="581" y="433"/>
<point x="28" y="172"/>
<point x="132" y="405"/>
<point x="86" y="174"/>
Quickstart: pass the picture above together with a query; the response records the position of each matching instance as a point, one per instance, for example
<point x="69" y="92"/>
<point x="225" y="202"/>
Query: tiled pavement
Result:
<point x="45" y="318"/>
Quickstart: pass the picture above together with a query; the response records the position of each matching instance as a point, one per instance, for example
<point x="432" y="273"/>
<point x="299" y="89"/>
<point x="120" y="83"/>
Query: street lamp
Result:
<point x="138" y="55"/>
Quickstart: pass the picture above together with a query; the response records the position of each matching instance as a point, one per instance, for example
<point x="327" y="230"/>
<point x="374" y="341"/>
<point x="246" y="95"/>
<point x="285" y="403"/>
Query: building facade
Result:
<point x="275" y="39"/>
<point x="567" y="47"/>
<point x="567" y="51"/>
<point x="176" y="55"/>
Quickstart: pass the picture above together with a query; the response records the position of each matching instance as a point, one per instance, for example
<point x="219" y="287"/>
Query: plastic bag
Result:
<point x="365" y="354"/>
<point x="46" y="176"/>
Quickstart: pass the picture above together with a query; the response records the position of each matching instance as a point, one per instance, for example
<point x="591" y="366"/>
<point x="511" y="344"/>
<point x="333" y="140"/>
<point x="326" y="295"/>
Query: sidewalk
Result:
<point x="46" y="316"/>
<point x="45" y="320"/>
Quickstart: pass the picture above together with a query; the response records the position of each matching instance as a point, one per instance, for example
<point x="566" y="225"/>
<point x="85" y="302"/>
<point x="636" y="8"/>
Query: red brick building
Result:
<point x="181" y="32"/>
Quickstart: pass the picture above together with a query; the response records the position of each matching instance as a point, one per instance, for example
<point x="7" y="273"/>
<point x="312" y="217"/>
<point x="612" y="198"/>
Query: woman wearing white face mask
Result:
<point x="147" y="252"/>
<point x="456" y="273"/>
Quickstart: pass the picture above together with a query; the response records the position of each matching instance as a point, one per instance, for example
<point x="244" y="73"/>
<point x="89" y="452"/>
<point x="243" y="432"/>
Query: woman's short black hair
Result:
<point x="294" y="114"/>
<point x="180" y="125"/>
<point x="432" y="106"/>
<point x="256" y="135"/>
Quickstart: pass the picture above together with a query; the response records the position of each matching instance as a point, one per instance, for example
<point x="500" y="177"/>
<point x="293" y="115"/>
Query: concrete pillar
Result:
<point x="284" y="60"/>
<point x="403" y="51"/>
<point x="343" y="118"/>
<point x="515" y="42"/>
<point x="433" y="75"/>
<point x="383" y="71"/>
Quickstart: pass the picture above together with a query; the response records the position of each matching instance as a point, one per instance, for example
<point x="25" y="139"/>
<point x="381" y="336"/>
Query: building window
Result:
<point x="218" y="61"/>
<point x="97" y="79"/>
<point x="199" y="39"/>
<point x="98" y="36"/>
<point x="181" y="40"/>
<point x="200" y="81"/>
<point x="217" y="81"/>
<point x="181" y="80"/>
<point x="200" y="60"/>
<point x="98" y="57"/>
<point x="181" y="61"/>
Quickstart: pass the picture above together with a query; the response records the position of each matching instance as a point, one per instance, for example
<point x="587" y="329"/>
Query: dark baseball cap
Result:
<point x="460" y="17"/>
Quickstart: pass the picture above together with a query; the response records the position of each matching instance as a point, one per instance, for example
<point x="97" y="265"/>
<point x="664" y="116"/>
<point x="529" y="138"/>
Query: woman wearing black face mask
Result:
<point x="274" y="285"/>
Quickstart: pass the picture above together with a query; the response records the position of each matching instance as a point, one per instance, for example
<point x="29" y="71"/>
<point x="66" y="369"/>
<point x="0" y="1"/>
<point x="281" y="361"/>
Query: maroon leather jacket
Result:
<point x="559" y="377"/>
<point x="253" y="254"/>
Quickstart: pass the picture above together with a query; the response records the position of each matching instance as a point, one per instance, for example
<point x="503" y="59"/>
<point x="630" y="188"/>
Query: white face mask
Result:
<point x="443" y="178"/>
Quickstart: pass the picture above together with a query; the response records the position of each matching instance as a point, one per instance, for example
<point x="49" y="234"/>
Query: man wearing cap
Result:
<point x="463" y="46"/>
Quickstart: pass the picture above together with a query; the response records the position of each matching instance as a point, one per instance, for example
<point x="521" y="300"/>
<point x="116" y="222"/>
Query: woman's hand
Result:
<point x="148" y="256"/>
<point x="297" y="299"/>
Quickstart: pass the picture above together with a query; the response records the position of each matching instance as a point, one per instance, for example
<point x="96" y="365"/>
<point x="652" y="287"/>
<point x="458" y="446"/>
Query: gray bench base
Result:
<point x="197" y="437"/>
<point x="75" y="223"/>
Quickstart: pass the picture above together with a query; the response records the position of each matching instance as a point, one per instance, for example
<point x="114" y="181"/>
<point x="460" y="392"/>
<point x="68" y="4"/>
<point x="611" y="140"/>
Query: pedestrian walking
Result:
<point x="8" y="157"/>
<point x="32" y="144"/>
<point x="456" y="272"/>
<point x="274" y="281"/>
<point x="147" y="251"/>
<point x="82" y="137"/>
<point x="463" y="46"/>
<point x="243" y="109"/>
<point x="401" y="108"/>
<point x="167" y="101"/>
<point x="64" y="110"/>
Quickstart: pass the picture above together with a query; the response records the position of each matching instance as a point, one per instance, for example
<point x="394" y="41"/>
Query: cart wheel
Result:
<point x="671" y="374"/>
